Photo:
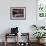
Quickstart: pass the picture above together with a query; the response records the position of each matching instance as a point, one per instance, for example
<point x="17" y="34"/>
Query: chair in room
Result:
<point x="26" y="41"/>
<point x="14" y="32"/>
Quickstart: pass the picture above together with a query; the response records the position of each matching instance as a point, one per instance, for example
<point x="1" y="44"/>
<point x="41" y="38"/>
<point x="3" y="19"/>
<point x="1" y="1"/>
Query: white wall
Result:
<point x="24" y="25"/>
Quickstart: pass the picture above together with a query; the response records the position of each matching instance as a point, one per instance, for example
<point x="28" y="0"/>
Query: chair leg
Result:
<point x="5" y="43"/>
<point x="5" y="40"/>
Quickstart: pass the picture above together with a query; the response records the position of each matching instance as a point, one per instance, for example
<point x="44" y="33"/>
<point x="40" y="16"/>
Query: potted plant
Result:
<point x="39" y="35"/>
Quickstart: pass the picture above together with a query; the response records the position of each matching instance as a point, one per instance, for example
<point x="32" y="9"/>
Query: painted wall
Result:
<point x="24" y="25"/>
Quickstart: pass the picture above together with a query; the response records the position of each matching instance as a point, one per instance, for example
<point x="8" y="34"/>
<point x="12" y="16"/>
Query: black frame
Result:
<point x="18" y="13"/>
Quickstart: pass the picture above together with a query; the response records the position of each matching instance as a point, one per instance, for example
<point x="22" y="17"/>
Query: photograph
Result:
<point x="17" y="13"/>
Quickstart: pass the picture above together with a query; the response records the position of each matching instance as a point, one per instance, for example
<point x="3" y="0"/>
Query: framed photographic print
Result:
<point x="17" y="13"/>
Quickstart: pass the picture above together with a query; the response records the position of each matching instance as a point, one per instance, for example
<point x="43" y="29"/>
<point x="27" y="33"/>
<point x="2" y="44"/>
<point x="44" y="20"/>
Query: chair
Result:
<point x="8" y="36"/>
<point x="14" y="32"/>
<point x="26" y="41"/>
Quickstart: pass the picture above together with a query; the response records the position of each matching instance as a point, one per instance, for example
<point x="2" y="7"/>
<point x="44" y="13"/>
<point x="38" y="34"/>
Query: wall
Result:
<point x="24" y="25"/>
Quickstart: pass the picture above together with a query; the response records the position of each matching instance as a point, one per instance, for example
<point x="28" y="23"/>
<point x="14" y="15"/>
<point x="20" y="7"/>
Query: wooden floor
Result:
<point x="13" y="44"/>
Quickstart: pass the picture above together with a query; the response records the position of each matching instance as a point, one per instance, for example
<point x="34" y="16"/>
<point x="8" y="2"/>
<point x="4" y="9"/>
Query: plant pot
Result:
<point x="40" y="41"/>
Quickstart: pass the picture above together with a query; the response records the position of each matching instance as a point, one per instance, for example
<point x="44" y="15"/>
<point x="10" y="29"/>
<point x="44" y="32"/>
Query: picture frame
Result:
<point x="18" y="13"/>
